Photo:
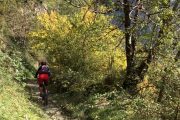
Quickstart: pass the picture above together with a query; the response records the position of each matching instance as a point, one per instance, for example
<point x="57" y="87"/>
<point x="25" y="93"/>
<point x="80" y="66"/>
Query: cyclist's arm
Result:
<point x="49" y="72"/>
<point x="38" y="71"/>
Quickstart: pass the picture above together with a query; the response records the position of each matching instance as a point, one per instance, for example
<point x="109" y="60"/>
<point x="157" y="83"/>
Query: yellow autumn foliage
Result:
<point x="55" y="23"/>
<point x="84" y="42"/>
<point x="88" y="16"/>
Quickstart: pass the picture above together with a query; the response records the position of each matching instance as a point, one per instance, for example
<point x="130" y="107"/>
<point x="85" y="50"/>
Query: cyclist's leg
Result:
<point x="46" y="84"/>
<point x="40" y="82"/>
<point x="45" y="91"/>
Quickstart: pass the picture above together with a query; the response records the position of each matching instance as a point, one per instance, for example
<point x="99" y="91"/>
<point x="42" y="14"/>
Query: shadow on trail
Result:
<point x="70" y="99"/>
<point x="53" y="110"/>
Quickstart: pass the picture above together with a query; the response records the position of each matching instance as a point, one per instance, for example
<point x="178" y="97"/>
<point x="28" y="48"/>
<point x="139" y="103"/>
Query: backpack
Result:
<point x="44" y="69"/>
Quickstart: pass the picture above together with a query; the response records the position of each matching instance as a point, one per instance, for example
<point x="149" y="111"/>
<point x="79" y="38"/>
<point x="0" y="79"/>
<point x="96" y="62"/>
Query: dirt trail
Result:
<point x="52" y="110"/>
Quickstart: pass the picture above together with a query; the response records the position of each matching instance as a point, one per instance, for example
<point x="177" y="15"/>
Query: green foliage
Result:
<point x="79" y="47"/>
<point x="14" y="100"/>
<point x="115" y="105"/>
<point x="13" y="65"/>
<point x="84" y="50"/>
<point x="15" y="104"/>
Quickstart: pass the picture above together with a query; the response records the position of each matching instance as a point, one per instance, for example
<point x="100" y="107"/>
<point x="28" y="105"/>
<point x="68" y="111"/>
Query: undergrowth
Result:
<point x="112" y="105"/>
<point x="15" y="104"/>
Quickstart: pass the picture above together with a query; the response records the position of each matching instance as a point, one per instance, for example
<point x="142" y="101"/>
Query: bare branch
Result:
<point x="105" y="12"/>
<point x="120" y="41"/>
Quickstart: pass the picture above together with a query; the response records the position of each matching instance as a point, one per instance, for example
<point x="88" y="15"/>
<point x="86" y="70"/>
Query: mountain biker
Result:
<point x="42" y="74"/>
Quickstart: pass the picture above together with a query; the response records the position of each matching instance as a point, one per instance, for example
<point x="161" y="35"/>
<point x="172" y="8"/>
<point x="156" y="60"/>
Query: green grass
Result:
<point x="114" y="105"/>
<point x="14" y="100"/>
<point x="15" y="105"/>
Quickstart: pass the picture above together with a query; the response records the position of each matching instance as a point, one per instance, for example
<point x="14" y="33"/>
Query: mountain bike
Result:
<point x="44" y="94"/>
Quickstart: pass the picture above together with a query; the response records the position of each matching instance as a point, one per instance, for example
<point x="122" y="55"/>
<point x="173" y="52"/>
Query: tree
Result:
<point x="79" y="46"/>
<point x="146" y="27"/>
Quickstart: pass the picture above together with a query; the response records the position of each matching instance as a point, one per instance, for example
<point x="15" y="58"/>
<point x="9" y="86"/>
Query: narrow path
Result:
<point x="52" y="110"/>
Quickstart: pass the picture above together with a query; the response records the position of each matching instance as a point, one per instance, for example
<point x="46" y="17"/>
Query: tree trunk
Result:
<point x="130" y="82"/>
<point x="135" y="73"/>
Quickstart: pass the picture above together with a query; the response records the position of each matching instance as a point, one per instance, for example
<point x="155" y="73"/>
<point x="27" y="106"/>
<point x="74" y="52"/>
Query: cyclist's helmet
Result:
<point x="43" y="63"/>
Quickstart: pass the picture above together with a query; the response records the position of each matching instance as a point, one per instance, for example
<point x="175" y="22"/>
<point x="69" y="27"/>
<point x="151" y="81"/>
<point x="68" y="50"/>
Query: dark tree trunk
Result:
<point x="143" y="68"/>
<point x="177" y="56"/>
<point x="135" y="73"/>
<point x="131" y="82"/>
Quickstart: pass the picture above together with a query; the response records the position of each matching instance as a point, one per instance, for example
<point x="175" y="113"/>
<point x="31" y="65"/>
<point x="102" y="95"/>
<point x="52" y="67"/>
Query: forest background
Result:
<point x="112" y="59"/>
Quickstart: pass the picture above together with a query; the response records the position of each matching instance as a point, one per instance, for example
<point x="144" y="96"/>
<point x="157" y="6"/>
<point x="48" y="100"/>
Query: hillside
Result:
<point x="15" y="103"/>
<point x="109" y="60"/>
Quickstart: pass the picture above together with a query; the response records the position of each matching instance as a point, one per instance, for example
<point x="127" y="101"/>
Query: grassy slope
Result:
<point x="14" y="102"/>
